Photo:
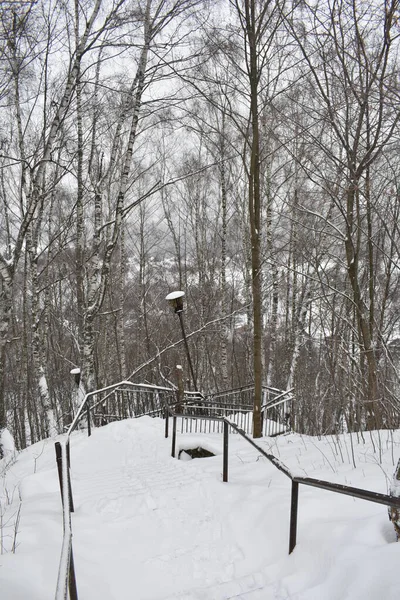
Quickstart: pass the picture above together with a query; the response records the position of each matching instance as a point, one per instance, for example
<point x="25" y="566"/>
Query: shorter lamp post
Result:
<point x="77" y="375"/>
<point x="75" y="394"/>
<point x="175" y="300"/>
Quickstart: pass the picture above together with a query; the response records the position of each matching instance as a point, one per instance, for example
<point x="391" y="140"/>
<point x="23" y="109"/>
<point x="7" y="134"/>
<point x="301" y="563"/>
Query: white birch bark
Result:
<point x="31" y="193"/>
<point x="100" y="265"/>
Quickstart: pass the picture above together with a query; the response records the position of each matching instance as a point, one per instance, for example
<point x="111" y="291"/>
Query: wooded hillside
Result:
<point x="243" y="151"/>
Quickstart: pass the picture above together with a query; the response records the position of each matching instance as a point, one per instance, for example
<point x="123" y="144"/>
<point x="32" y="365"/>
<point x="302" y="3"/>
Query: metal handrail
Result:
<point x="218" y="405"/>
<point x="338" y="488"/>
<point x="245" y="388"/>
<point x="66" y="572"/>
<point x="278" y="399"/>
<point x="110" y="388"/>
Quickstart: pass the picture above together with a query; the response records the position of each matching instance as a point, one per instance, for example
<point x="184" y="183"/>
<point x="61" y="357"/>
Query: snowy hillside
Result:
<point x="150" y="527"/>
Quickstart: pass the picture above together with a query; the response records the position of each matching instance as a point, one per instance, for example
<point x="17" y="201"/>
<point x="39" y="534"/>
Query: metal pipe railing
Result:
<point x="66" y="575"/>
<point x="66" y="581"/>
<point x="338" y="488"/>
<point x="277" y="400"/>
<point x="85" y="409"/>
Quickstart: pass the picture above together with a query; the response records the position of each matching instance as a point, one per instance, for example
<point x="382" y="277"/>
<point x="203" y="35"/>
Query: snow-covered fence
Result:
<point x="121" y="401"/>
<point x="130" y="400"/>
<point x="388" y="500"/>
<point x="277" y="413"/>
<point x="127" y="400"/>
<point x="200" y="419"/>
<point x="243" y="396"/>
<point x="238" y="407"/>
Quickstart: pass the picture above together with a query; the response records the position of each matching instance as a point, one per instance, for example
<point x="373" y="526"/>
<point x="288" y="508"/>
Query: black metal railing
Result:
<point x="245" y="395"/>
<point x="195" y="407"/>
<point x="95" y="409"/>
<point x="227" y="425"/>
<point x="128" y="400"/>
<point x="275" y="417"/>
<point x="66" y="581"/>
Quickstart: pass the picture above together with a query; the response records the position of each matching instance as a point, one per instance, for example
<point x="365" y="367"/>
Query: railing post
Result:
<point x="71" y="501"/>
<point x="173" y="436"/>
<point x="89" y="430"/>
<point x="60" y="475"/>
<point x="73" y="592"/>
<point x="166" y="420"/>
<point x="59" y="467"/>
<point x="293" y="516"/>
<point x="225" y="453"/>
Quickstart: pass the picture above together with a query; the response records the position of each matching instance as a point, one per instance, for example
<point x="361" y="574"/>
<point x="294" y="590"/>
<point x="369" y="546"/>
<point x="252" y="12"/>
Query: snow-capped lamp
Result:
<point x="175" y="300"/>
<point x="77" y="375"/>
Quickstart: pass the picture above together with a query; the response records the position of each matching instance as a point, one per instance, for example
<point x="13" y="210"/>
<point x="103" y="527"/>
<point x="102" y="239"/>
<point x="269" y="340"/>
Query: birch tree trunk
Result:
<point x="358" y="60"/>
<point x="19" y="24"/>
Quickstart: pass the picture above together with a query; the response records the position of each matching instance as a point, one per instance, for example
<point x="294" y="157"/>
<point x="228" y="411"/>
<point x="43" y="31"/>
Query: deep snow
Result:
<point x="150" y="527"/>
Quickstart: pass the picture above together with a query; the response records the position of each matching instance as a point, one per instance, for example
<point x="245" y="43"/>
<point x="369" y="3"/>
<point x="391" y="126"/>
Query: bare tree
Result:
<point x="25" y="34"/>
<point x="353" y="65"/>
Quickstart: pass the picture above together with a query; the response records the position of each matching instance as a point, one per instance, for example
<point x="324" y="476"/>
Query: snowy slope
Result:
<point x="149" y="527"/>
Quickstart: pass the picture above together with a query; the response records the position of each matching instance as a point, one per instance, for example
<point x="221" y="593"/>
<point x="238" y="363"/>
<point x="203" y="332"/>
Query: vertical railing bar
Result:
<point x="73" y="592"/>
<point x="225" y="452"/>
<point x="59" y="468"/>
<point x="293" y="516"/>
<point x="166" y="421"/>
<point x="63" y="464"/>
<point x="89" y="429"/>
<point x="173" y="436"/>
<point x="71" y="501"/>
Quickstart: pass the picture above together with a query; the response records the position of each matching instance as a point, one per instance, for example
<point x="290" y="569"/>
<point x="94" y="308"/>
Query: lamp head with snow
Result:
<point x="77" y="375"/>
<point x="175" y="300"/>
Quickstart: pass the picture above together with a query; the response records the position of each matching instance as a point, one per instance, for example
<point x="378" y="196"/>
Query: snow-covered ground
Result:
<point x="150" y="527"/>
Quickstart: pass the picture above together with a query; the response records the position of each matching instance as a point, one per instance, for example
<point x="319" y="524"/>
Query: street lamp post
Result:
<point x="175" y="300"/>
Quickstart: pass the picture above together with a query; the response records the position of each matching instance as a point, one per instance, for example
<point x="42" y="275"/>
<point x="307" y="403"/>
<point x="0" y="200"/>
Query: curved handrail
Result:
<point x="66" y="572"/>
<point x="112" y="387"/>
<point x="278" y="399"/>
